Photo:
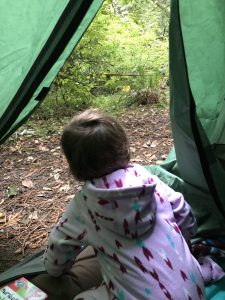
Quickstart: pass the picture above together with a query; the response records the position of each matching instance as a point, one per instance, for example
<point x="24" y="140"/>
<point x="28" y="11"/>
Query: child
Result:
<point x="139" y="227"/>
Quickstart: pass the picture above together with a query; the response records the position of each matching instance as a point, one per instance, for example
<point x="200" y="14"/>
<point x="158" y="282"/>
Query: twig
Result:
<point x="32" y="231"/>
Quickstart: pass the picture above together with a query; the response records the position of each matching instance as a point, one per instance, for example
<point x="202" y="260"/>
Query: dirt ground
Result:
<point x="36" y="184"/>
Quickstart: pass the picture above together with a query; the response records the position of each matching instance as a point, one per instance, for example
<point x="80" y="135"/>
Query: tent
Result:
<point x="37" y="37"/>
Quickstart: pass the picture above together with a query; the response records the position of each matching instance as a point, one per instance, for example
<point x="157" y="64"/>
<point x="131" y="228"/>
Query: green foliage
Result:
<point x="123" y="52"/>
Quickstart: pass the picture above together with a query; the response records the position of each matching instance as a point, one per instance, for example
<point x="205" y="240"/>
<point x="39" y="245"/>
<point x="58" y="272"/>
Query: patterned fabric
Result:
<point x="140" y="230"/>
<point x="205" y="252"/>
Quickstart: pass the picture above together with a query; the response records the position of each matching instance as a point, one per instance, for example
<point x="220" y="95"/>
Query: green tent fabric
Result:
<point x="197" y="101"/>
<point x="36" y="38"/>
<point x="195" y="166"/>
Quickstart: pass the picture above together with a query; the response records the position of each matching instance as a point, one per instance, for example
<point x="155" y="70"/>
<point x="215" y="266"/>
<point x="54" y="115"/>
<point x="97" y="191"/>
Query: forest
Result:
<point x="122" y="60"/>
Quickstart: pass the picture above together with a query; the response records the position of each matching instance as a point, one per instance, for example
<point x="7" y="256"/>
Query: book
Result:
<point x="21" y="289"/>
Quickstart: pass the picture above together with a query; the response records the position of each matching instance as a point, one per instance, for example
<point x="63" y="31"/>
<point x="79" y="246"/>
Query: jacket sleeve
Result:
<point x="66" y="240"/>
<point x="181" y="210"/>
<point x="183" y="215"/>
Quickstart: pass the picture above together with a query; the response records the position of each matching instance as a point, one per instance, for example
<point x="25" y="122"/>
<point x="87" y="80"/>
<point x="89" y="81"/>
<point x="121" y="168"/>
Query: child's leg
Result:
<point x="101" y="293"/>
<point x="211" y="271"/>
<point x="84" y="275"/>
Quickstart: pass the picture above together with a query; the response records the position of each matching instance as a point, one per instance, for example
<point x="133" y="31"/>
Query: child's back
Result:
<point x="131" y="219"/>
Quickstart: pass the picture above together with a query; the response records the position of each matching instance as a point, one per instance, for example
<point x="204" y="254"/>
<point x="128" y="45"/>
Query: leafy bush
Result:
<point x="122" y="54"/>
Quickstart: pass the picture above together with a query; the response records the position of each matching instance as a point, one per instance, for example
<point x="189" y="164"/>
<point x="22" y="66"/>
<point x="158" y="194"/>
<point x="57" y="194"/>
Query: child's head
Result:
<point x="94" y="144"/>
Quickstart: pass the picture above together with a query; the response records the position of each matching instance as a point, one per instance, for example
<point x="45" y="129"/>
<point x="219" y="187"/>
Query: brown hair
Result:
<point x="94" y="144"/>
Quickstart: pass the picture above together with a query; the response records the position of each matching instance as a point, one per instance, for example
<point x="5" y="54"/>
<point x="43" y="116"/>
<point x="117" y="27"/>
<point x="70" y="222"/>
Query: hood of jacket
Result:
<point x="128" y="211"/>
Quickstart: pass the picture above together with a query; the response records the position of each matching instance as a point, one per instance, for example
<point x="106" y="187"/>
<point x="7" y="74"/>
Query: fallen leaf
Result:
<point x="145" y="145"/>
<point x="27" y="132"/>
<point x="43" y="148"/>
<point x="45" y="188"/>
<point x="28" y="183"/>
<point x="154" y="144"/>
<point x="30" y="158"/>
<point x="2" y="217"/>
<point x="137" y="159"/>
<point x="68" y="198"/>
<point x="56" y="176"/>
<point x="132" y="149"/>
<point x="11" y="191"/>
<point x="56" y="187"/>
<point x="65" y="188"/>
<point x="40" y="195"/>
<point x="13" y="149"/>
<point x="18" y="251"/>
<point x="57" y="170"/>
<point x="33" y="215"/>
<point x="31" y="173"/>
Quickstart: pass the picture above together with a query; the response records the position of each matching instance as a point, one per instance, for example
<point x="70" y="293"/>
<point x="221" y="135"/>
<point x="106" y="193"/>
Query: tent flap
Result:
<point x="197" y="163"/>
<point x="36" y="42"/>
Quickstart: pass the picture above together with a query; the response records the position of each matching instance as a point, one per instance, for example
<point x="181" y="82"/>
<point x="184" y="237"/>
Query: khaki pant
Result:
<point x="84" y="275"/>
<point x="101" y="293"/>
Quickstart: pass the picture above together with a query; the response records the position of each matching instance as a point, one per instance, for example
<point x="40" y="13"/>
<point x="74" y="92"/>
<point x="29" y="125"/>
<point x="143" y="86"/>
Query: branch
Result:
<point x="162" y="7"/>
